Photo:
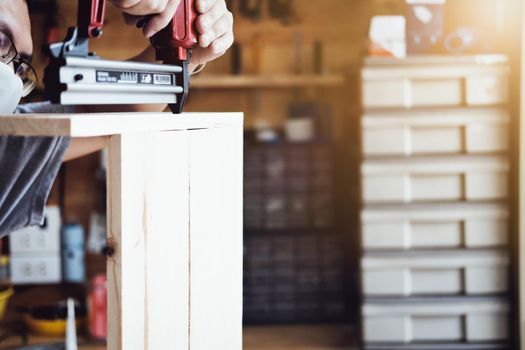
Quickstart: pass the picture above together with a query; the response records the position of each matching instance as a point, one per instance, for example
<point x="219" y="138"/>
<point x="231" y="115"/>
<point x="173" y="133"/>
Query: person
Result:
<point x="29" y="165"/>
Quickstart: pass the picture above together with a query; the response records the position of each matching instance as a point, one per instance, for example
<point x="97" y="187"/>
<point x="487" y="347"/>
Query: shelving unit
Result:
<point x="326" y="337"/>
<point x="425" y="278"/>
<point x="256" y="81"/>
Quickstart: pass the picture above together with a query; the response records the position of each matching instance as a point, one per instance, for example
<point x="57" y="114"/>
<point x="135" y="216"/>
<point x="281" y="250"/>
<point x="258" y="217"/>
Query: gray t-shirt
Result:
<point x="28" y="168"/>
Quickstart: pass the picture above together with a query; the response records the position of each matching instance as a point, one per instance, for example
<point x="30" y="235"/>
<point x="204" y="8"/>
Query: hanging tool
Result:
<point x="76" y="76"/>
<point x="281" y="10"/>
<point x="251" y="9"/>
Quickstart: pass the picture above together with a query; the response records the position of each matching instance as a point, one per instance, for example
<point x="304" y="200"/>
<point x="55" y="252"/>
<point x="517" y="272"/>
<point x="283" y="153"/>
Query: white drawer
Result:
<point x="407" y="86"/>
<point x="36" y="238"/>
<point x="436" y="320"/>
<point x="426" y="226"/>
<point x="436" y="131"/>
<point x="501" y="345"/>
<point x="435" y="179"/>
<point x="487" y="89"/>
<point x="35" y="269"/>
<point x="435" y="273"/>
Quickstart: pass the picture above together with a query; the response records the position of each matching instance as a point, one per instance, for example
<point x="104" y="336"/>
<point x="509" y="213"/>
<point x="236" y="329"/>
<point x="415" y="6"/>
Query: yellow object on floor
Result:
<point x="47" y="327"/>
<point x="4" y="298"/>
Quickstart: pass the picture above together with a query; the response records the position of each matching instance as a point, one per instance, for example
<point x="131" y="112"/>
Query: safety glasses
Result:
<point x="10" y="56"/>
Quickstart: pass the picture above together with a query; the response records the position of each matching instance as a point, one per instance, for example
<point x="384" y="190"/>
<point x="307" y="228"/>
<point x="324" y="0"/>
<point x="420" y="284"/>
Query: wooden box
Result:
<point x="174" y="224"/>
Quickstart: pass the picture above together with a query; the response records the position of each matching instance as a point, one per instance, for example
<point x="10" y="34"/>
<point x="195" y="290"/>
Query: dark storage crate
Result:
<point x="294" y="277"/>
<point x="288" y="186"/>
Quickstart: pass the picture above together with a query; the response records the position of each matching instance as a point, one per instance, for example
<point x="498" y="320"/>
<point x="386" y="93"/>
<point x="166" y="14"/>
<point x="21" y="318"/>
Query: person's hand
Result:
<point x="214" y="23"/>
<point x="215" y="27"/>
<point x="159" y="13"/>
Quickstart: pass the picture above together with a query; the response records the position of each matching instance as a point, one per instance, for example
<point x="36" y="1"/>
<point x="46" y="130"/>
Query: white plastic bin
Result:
<point x="424" y="226"/>
<point x="436" y="131"/>
<point x="435" y="273"/>
<point x="435" y="179"/>
<point x="436" y="320"/>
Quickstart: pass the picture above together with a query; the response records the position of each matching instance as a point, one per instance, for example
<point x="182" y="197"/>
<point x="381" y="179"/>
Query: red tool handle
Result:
<point x="91" y="17"/>
<point x="96" y="22"/>
<point x="180" y="35"/>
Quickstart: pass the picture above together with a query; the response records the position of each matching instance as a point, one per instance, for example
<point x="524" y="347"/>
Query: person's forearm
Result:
<point x="82" y="146"/>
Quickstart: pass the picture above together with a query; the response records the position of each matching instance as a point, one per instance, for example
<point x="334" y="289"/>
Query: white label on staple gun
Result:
<point x="162" y="79"/>
<point x="142" y="78"/>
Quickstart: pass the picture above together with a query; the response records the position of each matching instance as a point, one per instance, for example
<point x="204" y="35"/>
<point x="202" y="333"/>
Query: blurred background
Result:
<point x="378" y="191"/>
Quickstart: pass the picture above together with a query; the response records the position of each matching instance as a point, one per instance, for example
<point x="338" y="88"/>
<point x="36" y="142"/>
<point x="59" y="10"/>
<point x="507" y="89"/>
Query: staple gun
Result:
<point x="76" y="76"/>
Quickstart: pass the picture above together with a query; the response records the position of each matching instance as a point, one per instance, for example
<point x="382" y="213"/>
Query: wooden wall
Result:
<point x="269" y="49"/>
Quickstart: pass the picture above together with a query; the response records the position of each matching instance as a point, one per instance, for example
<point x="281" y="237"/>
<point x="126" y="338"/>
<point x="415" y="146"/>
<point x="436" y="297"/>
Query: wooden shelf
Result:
<point x="255" y="81"/>
<point x="318" y="337"/>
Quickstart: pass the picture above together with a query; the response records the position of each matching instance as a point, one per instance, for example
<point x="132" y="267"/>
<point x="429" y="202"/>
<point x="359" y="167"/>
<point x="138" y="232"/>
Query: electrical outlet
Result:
<point x="45" y="238"/>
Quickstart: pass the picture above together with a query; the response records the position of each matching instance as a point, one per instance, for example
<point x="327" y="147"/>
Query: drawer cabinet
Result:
<point x="435" y="273"/>
<point x="433" y="85"/>
<point x="501" y="345"/>
<point x="435" y="179"/>
<point x="438" y="226"/>
<point x="435" y="138"/>
<point x="448" y="131"/>
<point x="441" y="320"/>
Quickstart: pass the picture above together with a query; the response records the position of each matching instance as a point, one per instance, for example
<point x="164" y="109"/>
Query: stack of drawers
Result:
<point x="434" y="187"/>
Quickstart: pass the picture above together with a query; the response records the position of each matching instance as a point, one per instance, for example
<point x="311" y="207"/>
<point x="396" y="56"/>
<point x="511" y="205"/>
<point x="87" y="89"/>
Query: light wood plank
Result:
<point x="167" y="242"/>
<point x="114" y="229"/>
<point x="128" y="234"/>
<point x="148" y="283"/>
<point x="216" y="239"/>
<point x="102" y="124"/>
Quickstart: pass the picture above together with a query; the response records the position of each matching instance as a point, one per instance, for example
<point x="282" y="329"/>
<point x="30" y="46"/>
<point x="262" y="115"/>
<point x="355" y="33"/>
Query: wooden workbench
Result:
<point x="174" y="223"/>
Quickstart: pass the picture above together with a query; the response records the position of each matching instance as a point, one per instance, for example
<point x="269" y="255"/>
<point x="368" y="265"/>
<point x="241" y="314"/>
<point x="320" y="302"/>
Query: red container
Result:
<point x="97" y="304"/>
